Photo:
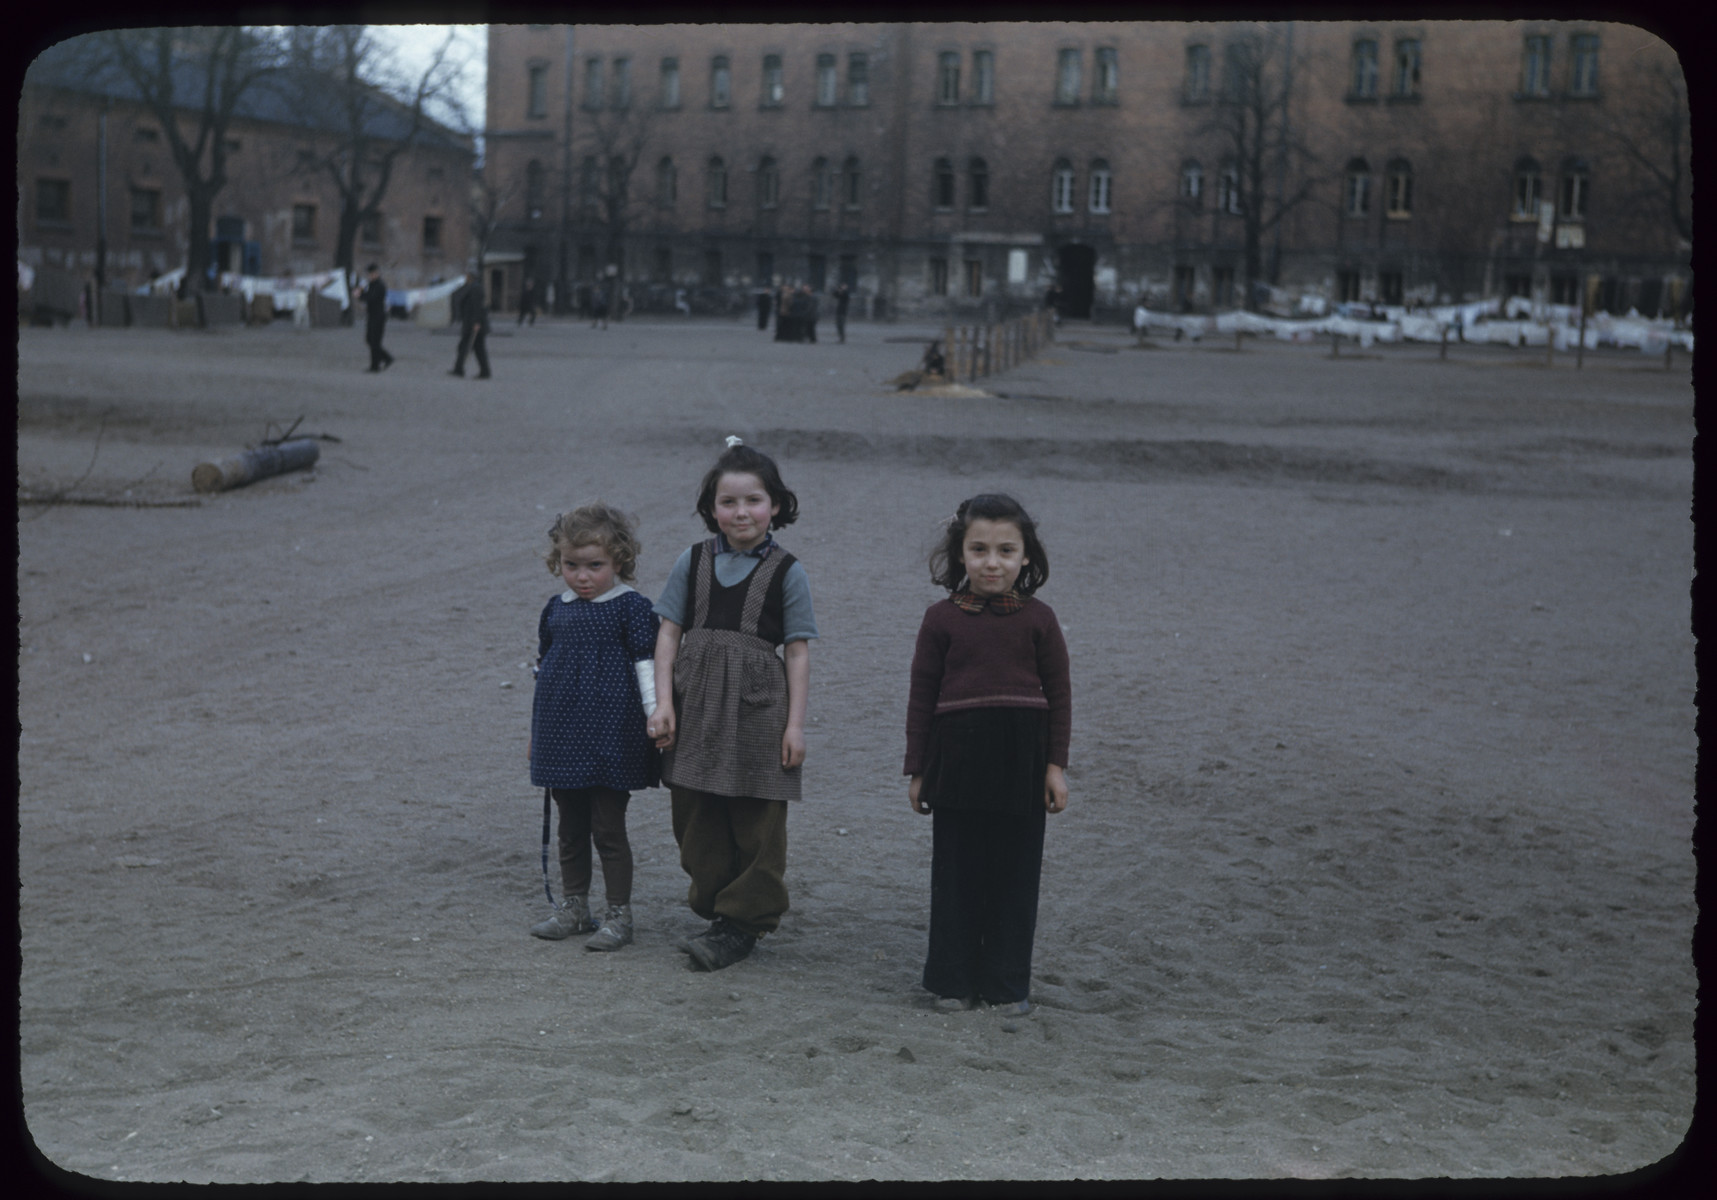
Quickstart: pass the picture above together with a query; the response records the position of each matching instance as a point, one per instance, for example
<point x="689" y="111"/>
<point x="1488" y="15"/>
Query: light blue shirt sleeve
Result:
<point x="671" y="604"/>
<point x="798" y="622"/>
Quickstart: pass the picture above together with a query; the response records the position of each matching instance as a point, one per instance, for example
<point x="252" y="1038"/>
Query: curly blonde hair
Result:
<point x="596" y="524"/>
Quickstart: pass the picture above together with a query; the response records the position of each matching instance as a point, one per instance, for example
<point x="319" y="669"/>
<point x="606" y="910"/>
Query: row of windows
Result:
<point x="608" y="83"/>
<point x="54" y="207"/>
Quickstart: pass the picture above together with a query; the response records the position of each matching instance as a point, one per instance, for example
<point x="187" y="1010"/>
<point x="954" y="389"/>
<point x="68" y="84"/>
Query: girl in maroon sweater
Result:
<point x="987" y="727"/>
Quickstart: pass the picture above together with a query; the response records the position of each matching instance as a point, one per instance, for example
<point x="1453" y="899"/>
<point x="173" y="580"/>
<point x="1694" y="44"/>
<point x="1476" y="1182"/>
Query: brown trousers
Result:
<point x="735" y="850"/>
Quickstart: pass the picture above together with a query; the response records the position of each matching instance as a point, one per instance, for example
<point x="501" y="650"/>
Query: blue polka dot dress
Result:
<point x="587" y="720"/>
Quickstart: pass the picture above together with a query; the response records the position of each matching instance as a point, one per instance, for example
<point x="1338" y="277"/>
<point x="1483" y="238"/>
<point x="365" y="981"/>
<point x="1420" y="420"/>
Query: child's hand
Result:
<point x="1055" y="789"/>
<point x="660" y="726"/>
<point x="792" y="748"/>
<point x="912" y="790"/>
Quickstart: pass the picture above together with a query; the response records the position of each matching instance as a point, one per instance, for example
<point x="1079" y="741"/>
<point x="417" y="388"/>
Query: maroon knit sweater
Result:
<point x="988" y="660"/>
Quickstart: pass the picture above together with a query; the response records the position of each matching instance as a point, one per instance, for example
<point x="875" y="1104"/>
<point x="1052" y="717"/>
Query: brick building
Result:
<point x="276" y="215"/>
<point x="965" y="167"/>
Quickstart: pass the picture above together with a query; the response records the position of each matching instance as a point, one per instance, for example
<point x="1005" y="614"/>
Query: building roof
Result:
<point x="288" y="96"/>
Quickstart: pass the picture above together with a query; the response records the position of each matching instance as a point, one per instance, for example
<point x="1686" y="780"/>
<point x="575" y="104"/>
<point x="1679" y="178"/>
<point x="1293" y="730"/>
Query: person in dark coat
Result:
<point x="786" y="327"/>
<point x="765" y="301"/>
<point x="527" y="302"/>
<point x="473" y="330"/>
<point x="375" y="294"/>
<point x="811" y="306"/>
<point x="843" y="297"/>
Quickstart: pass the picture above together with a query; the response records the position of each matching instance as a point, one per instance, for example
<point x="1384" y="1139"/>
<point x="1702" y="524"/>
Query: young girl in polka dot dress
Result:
<point x="595" y="689"/>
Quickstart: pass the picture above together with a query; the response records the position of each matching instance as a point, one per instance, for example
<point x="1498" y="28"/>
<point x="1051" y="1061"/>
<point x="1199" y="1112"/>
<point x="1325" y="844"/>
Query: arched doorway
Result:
<point x="1076" y="270"/>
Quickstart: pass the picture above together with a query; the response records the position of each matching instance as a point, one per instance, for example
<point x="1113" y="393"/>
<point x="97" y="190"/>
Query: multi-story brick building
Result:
<point x="965" y="167"/>
<point x="277" y="215"/>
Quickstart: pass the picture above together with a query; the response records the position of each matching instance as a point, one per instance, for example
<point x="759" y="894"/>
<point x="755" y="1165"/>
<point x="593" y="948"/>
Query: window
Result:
<point x="942" y="186"/>
<point x="858" y="80"/>
<point x="432" y="235"/>
<point x="1571" y="201"/>
<point x="1347" y="287"/>
<point x="145" y="210"/>
<point x="667" y="183"/>
<point x="303" y="223"/>
<point x="712" y="268"/>
<point x="370" y="230"/>
<point x="1196" y="88"/>
<point x="670" y="83"/>
<point x="827" y="83"/>
<point x="1061" y="187"/>
<point x="849" y="270"/>
<point x="1584" y="80"/>
<point x="948" y="78"/>
<point x="720" y="82"/>
<point x="54" y="201"/>
<point x="1356" y="195"/>
<point x="938" y="276"/>
<point x="1067" y="77"/>
<point x="1389" y="285"/>
<point x="593" y="83"/>
<point x="1364" y="70"/>
<point x="974" y="278"/>
<point x="534" y="189"/>
<point x="977" y="185"/>
<point x="774" y="88"/>
<point x="983" y="77"/>
<point x="1192" y="184"/>
<point x="536" y="90"/>
<point x="852" y="190"/>
<point x="1535" y="67"/>
<point x="1398" y="190"/>
<point x="768" y="184"/>
<point x="715" y="183"/>
<point x="1099" y="186"/>
<point x="622" y="82"/>
<point x="1407" y="67"/>
<point x="1528" y="188"/>
<point x="822" y="184"/>
<point x="1228" y="190"/>
<point x="1106" y="82"/>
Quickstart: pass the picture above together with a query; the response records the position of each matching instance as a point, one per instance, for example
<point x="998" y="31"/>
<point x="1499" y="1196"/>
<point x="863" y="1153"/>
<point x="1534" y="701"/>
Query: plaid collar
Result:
<point x="761" y="550"/>
<point x="1009" y="601"/>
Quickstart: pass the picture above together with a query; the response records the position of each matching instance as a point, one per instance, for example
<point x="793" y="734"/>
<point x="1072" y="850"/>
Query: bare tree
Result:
<point x="490" y="195"/>
<point x="348" y="85"/>
<point x="194" y="81"/>
<point x="1268" y="166"/>
<point x="1651" y="129"/>
<point x="613" y="142"/>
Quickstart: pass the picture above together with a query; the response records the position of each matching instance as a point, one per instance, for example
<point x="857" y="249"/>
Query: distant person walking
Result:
<point x="473" y="330"/>
<point x="810" y="300"/>
<point x="843" y="297"/>
<point x="528" y="302"/>
<point x="375" y="296"/>
<point x="765" y="301"/>
<point x="599" y="306"/>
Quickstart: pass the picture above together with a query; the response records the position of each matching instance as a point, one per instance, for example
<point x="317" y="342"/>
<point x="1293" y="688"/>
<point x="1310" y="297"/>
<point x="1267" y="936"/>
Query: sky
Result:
<point x="416" y="45"/>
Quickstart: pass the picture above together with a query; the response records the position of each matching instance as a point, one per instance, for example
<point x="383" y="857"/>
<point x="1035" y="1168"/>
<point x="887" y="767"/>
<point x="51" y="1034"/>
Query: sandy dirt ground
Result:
<point x="1378" y="860"/>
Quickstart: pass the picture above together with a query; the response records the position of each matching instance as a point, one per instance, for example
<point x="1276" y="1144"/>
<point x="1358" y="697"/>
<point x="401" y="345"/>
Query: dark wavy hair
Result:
<point x="743" y="460"/>
<point x="946" y="568"/>
<point x="596" y="524"/>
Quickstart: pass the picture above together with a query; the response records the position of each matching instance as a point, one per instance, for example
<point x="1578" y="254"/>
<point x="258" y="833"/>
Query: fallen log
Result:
<point x="236" y="470"/>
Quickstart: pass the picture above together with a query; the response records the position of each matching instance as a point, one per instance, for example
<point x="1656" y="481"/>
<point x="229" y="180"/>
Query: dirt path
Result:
<point x="1378" y="860"/>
